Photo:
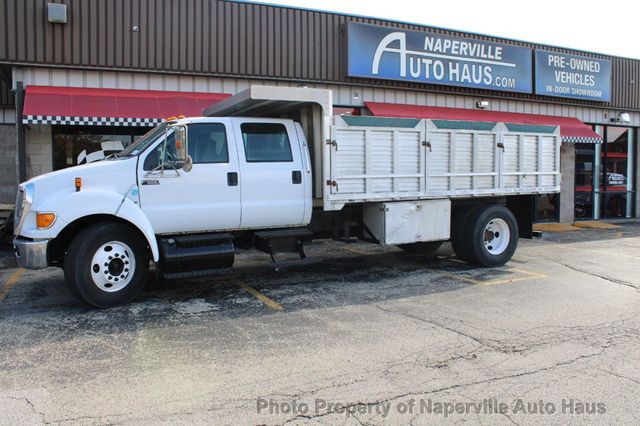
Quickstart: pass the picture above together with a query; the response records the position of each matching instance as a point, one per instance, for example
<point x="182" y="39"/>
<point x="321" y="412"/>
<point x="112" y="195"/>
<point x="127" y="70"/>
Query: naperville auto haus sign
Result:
<point x="393" y="54"/>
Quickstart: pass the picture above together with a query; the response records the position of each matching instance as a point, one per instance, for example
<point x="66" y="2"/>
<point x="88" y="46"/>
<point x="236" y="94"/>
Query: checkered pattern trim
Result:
<point x="90" y="121"/>
<point x="580" y="139"/>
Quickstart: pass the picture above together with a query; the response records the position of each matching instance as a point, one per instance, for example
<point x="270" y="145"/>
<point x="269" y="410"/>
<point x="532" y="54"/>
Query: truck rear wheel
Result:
<point x="459" y="240"/>
<point x="422" y="247"/>
<point x="490" y="235"/>
<point x="106" y="265"/>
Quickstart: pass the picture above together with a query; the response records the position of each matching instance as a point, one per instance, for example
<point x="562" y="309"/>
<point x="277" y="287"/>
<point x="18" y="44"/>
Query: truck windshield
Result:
<point x="143" y="143"/>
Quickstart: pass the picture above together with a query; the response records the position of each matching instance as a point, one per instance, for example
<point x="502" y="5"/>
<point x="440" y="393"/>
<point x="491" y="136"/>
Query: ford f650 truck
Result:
<point x="271" y="168"/>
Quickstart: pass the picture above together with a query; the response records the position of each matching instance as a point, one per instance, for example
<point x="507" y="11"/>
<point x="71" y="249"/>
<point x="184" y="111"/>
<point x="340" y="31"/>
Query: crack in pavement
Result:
<point x="593" y="274"/>
<point x="31" y="405"/>
<point x="620" y="376"/>
<point x="433" y="323"/>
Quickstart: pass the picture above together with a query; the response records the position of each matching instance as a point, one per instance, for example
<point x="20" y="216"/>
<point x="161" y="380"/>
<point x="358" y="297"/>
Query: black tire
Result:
<point x="484" y="234"/>
<point x="422" y="247"/>
<point x="92" y="243"/>
<point x="459" y="241"/>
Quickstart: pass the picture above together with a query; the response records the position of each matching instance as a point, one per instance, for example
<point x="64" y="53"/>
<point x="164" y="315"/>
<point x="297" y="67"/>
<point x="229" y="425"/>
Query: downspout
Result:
<point x="22" y="154"/>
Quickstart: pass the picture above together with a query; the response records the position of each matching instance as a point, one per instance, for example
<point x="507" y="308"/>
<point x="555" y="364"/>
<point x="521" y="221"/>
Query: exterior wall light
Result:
<point x="622" y="118"/>
<point x="482" y="104"/>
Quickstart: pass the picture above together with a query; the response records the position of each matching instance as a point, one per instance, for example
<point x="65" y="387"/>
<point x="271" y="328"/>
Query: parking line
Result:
<point x="272" y="304"/>
<point x="529" y="275"/>
<point x="357" y="251"/>
<point x="11" y="282"/>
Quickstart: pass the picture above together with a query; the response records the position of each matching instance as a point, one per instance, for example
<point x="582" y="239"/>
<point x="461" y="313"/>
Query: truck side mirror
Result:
<point x="182" y="148"/>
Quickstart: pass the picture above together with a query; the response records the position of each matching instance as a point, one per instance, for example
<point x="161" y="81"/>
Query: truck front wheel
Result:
<point x="106" y="265"/>
<point x="491" y="235"/>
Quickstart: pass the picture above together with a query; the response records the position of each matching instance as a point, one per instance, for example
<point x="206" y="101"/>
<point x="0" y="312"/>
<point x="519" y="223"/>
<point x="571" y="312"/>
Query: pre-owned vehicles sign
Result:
<point x="394" y="54"/>
<point x="572" y="76"/>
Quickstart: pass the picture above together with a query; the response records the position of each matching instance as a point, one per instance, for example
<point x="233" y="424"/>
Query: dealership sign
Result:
<point x="392" y="54"/>
<point x="571" y="76"/>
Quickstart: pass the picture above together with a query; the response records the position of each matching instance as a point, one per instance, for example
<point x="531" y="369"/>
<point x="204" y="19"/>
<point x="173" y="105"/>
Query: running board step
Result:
<point x="282" y="240"/>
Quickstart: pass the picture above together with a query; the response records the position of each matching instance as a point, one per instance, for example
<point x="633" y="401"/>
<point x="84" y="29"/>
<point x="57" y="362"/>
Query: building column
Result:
<point x="8" y="163"/>
<point x="567" y="183"/>
<point x="39" y="150"/>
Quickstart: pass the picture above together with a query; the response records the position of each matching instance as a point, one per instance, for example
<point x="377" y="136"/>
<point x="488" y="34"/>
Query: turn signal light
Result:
<point x="78" y="184"/>
<point x="45" y="220"/>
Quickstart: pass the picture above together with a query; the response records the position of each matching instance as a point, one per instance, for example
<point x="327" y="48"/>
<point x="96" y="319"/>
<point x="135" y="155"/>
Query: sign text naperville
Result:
<point x="447" y="60"/>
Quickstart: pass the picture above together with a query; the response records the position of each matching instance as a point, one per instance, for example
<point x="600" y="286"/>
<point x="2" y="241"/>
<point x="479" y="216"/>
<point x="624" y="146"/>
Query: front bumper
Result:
<point x="30" y="254"/>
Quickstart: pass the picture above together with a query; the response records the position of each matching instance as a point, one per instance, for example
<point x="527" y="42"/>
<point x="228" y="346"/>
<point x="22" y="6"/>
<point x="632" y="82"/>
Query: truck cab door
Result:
<point x="273" y="179"/>
<point x="205" y="199"/>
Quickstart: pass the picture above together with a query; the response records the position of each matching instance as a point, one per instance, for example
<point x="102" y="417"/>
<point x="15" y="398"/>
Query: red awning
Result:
<point x="571" y="129"/>
<point x="83" y="106"/>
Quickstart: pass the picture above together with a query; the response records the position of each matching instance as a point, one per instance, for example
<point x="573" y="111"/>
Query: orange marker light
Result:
<point x="78" y="184"/>
<point x="171" y="119"/>
<point x="45" y="220"/>
<point x="181" y="116"/>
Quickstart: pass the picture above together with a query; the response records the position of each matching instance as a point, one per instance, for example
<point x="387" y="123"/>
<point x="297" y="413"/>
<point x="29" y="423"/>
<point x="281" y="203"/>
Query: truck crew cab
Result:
<point x="192" y="190"/>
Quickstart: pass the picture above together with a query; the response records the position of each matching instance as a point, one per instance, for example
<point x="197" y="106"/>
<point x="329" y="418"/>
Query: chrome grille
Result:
<point x="19" y="209"/>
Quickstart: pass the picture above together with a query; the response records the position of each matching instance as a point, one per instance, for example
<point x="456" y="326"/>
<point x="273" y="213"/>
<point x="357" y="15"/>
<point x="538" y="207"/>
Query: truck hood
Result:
<point x="113" y="175"/>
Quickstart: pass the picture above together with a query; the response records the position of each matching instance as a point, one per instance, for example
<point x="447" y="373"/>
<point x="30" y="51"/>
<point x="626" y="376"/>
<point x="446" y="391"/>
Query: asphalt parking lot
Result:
<point x="360" y="334"/>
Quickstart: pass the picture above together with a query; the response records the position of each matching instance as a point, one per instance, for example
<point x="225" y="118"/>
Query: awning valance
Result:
<point x="111" y="107"/>
<point x="571" y="129"/>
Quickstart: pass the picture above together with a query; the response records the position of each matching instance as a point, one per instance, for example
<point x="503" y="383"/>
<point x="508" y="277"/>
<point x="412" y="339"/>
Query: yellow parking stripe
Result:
<point x="272" y="304"/>
<point x="529" y="275"/>
<point x="11" y="282"/>
<point x="355" y="250"/>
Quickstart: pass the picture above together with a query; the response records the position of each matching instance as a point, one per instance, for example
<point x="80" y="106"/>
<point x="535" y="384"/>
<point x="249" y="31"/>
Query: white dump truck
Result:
<point x="271" y="168"/>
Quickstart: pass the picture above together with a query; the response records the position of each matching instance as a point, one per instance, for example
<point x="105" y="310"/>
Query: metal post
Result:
<point x="630" y="159"/>
<point x="22" y="154"/>
<point x="597" y="170"/>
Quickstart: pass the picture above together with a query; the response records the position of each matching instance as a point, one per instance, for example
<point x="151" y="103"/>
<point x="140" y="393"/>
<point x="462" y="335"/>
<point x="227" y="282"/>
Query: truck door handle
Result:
<point x="296" y="177"/>
<point x="232" y="178"/>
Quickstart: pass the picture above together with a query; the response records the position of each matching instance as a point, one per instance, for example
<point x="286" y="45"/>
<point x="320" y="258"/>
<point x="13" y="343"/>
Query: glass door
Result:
<point x="585" y="173"/>
<point x="617" y="182"/>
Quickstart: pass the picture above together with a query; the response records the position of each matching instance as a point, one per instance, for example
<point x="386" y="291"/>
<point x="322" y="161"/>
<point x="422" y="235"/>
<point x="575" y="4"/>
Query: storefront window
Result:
<point x="73" y="145"/>
<point x="605" y="182"/>
<point x="617" y="180"/>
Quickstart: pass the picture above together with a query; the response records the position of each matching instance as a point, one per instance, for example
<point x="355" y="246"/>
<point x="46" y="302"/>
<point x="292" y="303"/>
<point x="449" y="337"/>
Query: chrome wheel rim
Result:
<point x="496" y="236"/>
<point x="113" y="266"/>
